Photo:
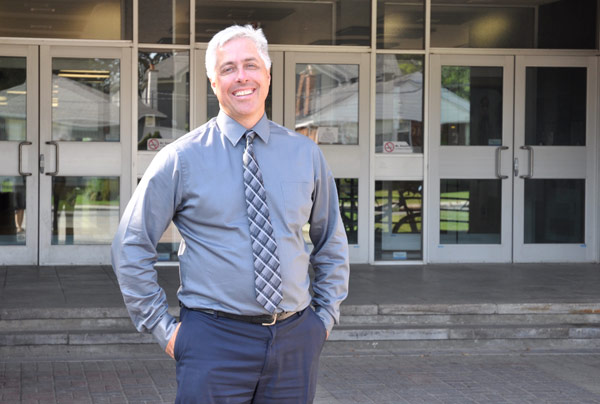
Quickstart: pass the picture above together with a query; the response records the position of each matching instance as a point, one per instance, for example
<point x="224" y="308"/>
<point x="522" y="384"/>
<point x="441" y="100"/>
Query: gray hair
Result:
<point x="235" y="31"/>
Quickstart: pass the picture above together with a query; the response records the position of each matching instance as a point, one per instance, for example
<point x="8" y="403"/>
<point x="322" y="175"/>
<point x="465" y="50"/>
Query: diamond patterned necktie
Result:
<point x="267" y="278"/>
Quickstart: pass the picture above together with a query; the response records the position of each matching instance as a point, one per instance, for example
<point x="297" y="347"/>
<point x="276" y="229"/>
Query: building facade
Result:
<point x="457" y="131"/>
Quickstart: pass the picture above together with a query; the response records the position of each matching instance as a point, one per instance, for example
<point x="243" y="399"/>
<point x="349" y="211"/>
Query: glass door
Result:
<point x="555" y="144"/>
<point x="470" y="175"/>
<point x="85" y="149"/>
<point x="326" y="98"/>
<point x="18" y="155"/>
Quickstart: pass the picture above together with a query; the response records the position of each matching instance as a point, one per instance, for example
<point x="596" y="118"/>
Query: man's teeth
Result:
<point x="244" y="92"/>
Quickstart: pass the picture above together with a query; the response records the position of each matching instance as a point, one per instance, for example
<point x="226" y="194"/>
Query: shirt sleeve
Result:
<point x="329" y="258"/>
<point x="134" y="248"/>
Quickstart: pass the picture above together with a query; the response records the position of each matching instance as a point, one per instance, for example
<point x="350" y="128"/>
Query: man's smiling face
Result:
<point x="241" y="81"/>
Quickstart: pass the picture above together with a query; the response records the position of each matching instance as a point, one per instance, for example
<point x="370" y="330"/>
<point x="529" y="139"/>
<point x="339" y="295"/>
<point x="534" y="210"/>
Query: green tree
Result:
<point x="457" y="79"/>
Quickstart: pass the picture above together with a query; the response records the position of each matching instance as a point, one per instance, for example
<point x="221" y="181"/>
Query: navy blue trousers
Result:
<point x="226" y="361"/>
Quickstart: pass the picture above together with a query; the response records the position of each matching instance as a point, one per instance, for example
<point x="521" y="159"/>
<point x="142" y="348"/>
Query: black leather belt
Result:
<point x="265" y="319"/>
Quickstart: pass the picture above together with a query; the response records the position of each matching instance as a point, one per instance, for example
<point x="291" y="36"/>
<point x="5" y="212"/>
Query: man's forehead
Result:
<point x="247" y="44"/>
<point x="249" y="52"/>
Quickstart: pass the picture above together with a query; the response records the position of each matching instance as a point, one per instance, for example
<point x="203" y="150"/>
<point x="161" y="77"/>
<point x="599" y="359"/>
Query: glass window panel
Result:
<point x="168" y="245"/>
<point x="85" y="210"/>
<point x="212" y="103"/>
<point x="567" y="24"/>
<point x="481" y="25"/>
<point x="398" y="220"/>
<point x="555" y="106"/>
<point x="13" y="98"/>
<point x="70" y="19"/>
<point x="560" y="24"/>
<point x="12" y="211"/>
<point x="172" y="25"/>
<point x="471" y="106"/>
<point x="347" y="189"/>
<point x="163" y="98"/>
<point x="554" y="211"/>
<point x="316" y="22"/>
<point x="86" y="100"/>
<point x="400" y="25"/>
<point x="327" y="102"/>
<point x="399" y="104"/>
<point x="470" y="211"/>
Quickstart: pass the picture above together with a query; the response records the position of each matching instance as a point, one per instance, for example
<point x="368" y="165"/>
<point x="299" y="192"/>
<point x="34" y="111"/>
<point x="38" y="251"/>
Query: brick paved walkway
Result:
<point x="365" y="379"/>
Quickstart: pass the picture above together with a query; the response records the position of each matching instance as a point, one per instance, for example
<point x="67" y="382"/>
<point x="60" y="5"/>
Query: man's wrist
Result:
<point x="327" y="318"/>
<point x="163" y="331"/>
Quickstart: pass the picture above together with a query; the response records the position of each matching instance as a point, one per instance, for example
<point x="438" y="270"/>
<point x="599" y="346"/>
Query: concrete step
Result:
<point x="465" y="332"/>
<point x="482" y="308"/>
<point x="340" y="333"/>
<point x="475" y="325"/>
<point x="89" y="337"/>
<point x="466" y="319"/>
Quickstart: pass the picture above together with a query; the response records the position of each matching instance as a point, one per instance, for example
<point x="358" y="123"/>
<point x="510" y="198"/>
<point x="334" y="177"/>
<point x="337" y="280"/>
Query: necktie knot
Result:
<point x="248" y="155"/>
<point x="249" y="136"/>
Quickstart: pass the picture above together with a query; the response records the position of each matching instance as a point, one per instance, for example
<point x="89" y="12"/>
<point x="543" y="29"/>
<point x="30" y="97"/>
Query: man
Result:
<point x="239" y="189"/>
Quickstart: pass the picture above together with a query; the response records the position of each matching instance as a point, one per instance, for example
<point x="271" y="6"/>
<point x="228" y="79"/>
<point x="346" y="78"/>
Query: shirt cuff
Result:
<point x="164" y="330"/>
<point x="327" y="318"/>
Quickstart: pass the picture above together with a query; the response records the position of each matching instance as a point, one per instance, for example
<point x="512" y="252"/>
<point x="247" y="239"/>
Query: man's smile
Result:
<point x="243" y="92"/>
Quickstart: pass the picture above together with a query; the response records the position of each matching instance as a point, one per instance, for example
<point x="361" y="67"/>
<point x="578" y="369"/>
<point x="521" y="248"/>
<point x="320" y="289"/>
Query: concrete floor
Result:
<point x="96" y="286"/>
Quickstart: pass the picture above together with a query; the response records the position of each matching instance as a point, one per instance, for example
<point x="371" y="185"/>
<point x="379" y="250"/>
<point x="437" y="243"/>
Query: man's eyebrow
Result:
<point x="231" y="62"/>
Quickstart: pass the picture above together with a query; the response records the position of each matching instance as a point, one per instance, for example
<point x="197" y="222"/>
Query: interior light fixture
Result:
<point x="85" y="76"/>
<point x="84" y="71"/>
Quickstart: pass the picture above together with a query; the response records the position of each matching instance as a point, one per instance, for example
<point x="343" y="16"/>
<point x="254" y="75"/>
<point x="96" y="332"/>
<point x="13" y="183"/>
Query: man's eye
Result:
<point x="226" y="70"/>
<point x="252" y="66"/>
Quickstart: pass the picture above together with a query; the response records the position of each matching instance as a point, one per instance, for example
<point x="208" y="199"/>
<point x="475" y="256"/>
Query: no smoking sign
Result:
<point x="397" y="147"/>
<point x="388" y="147"/>
<point x="153" y="144"/>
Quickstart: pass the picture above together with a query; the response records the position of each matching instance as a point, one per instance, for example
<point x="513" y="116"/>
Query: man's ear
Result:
<point x="213" y="85"/>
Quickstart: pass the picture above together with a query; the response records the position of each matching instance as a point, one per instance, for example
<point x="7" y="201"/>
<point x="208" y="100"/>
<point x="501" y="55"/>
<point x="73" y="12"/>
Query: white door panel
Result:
<point x="86" y="147"/>
<point x="470" y="146"/>
<point x="18" y="156"/>
<point x="555" y="140"/>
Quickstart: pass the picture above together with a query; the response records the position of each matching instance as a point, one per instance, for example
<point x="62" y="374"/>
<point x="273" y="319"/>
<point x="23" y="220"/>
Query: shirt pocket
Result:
<point x="297" y="198"/>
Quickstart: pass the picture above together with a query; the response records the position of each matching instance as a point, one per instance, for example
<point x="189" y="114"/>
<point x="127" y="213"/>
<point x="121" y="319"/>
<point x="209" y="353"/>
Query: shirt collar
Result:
<point x="234" y="131"/>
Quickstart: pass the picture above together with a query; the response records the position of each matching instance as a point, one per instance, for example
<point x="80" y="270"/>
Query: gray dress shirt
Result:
<point x="197" y="182"/>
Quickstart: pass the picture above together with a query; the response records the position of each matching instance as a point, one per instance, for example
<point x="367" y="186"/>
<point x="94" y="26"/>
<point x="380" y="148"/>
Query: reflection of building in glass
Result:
<point x="471" y="106"/>
<point x="163" y="97"/>
<point x="327" y="102"/>
<point x="13" y="113"/>
<point x="80" y="112"/>
<point x="399" y="107"/>
<point x="455" y="118"/>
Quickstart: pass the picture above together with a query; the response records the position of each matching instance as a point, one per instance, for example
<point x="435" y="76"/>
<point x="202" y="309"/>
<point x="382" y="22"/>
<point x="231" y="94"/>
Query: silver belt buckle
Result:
<point x="274" y="316"/>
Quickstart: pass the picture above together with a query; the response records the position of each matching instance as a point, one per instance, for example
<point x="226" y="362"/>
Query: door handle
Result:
<point x="530" y="175"/>
<point x="499" y="162"/>
<point x="55" y="172"/>
<point x="21" y="173"/>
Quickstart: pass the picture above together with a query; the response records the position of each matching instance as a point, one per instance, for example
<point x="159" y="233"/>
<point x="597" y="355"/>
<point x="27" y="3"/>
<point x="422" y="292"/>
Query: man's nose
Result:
<point x="241" y="75"/>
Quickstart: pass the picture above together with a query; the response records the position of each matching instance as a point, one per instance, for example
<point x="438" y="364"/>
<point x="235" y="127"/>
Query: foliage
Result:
<point x="457" y="79"/>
